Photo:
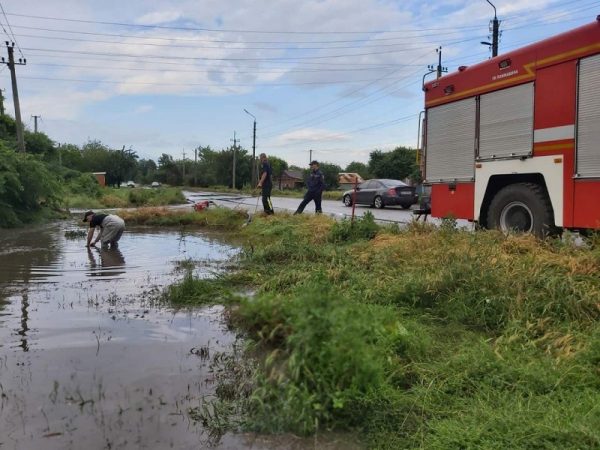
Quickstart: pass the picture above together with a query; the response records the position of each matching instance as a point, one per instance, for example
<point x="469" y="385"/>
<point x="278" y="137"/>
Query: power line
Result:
<point x="164" y="27"/>
<point x="72" y="80"/>
<point x="248" y="64"/>
<point x="401" y="39"/>
<point x="14" y="39"/>
<point x="203" y="58"/>
<point x="211" y="70"/>
<point x="96" y="41"/>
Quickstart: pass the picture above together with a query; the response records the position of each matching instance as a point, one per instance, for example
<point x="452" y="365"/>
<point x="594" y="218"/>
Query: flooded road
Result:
<point x="88" y="357"/>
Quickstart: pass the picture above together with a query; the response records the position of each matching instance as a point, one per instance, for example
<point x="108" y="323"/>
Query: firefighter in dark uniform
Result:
<point x="316" y="185"/>
<point x="266" y="184"/>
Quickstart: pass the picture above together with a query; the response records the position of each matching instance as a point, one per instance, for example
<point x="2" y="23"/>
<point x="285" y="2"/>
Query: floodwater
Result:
<point x="88" y="357"/>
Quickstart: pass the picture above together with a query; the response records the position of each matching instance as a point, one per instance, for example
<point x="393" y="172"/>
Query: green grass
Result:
<point x="423" y="337"/>
<point x="217" y="218"/>
<point x="126" y="197"/>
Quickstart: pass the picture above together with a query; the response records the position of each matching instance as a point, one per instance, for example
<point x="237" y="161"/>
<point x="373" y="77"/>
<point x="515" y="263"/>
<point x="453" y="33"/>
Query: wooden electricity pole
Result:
<point x="13" y="76"/>
<point x="35" y="119"/>
<point x="234" y="155"/>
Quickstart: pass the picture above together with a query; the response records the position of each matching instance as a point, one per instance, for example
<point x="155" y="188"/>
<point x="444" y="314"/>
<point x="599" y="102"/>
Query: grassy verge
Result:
<point x="126" y="197"/>
<point x="214" y="217"/>
<point x="417" y="338"/>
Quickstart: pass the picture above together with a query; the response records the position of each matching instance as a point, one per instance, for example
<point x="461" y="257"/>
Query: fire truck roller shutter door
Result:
<point x="588" y="118"/>
<point x="451" y="141"/>
<point x="506" y="122"/>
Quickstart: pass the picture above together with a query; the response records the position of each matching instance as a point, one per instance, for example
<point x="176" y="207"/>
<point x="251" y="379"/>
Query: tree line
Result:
<point x="41" y="175"/>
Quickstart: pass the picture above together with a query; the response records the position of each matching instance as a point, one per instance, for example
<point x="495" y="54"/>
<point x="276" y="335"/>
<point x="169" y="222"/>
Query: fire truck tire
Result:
<point x="522" y="207"/>
<point x="378" y="202"/>
<point x="347" y="200"/>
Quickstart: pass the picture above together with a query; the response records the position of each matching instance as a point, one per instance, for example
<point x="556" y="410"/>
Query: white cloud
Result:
<point x="158" y="17"/>
<point x="65" y="104"/>
<point x="143" y="109"/>
<point x="310" y="135"/>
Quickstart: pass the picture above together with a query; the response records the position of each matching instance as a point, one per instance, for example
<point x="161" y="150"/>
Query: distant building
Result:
<point x="290" y="179"/>
<point x="101" y="177"/>
<point x="346" y="180"/>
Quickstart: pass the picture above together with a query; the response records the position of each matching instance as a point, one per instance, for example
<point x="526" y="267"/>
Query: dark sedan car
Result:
<point x="381" y="193"/>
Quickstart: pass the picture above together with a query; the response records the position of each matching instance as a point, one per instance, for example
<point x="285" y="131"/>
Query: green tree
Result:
<point x="359" y="168"/>
<point x="40" y="144"/>
<point x="70" y="156"/>
<point x="168" y="170"/>
<point x="278" y="166"/>
<point x="398" y="164"/>
<point x="145" y="171"/>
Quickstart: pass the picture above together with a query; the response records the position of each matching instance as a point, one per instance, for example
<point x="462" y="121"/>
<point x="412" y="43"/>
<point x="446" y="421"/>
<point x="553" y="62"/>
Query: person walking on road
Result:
<point x="111" y="228"/>
<point x="266" y="184"/>
<point x="316" y="185"/>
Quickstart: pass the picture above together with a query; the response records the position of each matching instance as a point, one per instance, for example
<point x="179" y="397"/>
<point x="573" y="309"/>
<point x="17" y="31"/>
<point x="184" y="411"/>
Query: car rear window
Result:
<point x="391" y="183"/>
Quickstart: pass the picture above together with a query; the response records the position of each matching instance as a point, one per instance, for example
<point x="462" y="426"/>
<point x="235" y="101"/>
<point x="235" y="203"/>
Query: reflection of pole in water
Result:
<point x="24" y="319"/>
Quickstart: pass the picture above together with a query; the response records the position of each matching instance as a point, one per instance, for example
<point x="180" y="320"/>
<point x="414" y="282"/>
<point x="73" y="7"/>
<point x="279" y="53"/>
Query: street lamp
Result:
<point x="254" y="181"/>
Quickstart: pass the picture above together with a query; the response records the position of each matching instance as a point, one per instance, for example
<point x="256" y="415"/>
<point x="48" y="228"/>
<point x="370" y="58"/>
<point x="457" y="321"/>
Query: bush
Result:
<point x="26" y="186"/>
<point x="85" y="184"/>
<point x="363" y="228"/>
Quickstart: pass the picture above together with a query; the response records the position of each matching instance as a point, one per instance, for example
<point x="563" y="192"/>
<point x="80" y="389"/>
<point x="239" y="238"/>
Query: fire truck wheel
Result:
<point x="347" y="200"/>
<point x="522" y="207"/>
<point x="378" y="202"/>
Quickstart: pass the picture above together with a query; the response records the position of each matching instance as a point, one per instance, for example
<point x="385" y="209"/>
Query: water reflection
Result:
<point x="23" y="251"/>
<point x="24" y="319"/>
<point x="112" y="262"/>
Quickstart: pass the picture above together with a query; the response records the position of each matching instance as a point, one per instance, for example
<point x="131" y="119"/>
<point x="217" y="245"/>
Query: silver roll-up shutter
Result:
<point x="506" y="122"/>
<point x="451" y="141"/>
<point x="588" y="118"/>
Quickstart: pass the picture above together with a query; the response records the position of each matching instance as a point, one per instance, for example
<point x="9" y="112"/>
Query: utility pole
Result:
<point x="1" y="102"/>
<point x="495" y="28"/>
<point x="35" y="118"/>
<point x="440" y="69"/>
<point x="196" y="166"/>
<point x="234" y="149"/>
<point x="310" y="156"/>
<point x="13" y="76"/>
<point x="183" y="165"/>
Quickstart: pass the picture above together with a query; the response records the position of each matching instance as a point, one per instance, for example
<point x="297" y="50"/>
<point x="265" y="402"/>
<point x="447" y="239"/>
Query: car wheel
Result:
<point x="347" y="200"/>
<point x="378" y="202"/>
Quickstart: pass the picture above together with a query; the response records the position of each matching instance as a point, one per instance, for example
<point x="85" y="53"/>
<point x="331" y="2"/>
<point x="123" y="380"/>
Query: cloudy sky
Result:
<point x="340" y="77"/>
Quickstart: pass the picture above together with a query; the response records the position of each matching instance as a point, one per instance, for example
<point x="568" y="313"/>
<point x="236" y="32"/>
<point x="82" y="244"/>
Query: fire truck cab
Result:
<point x="514" y="142"/>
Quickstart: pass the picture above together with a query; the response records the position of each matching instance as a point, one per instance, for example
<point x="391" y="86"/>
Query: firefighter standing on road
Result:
<point x="266" y="184"/>
<point x="316" y="185"/>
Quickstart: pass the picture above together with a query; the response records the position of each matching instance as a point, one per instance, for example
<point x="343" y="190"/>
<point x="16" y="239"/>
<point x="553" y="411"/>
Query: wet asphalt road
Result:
<point x="286" y="204"/>
<point x="334" y="208"/>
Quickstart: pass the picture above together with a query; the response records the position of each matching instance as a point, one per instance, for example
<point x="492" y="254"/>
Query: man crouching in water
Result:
<point x="111" y="228"/>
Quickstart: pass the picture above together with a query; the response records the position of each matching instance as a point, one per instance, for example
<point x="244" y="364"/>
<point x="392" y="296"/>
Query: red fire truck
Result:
<point x="514" y="142"/>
